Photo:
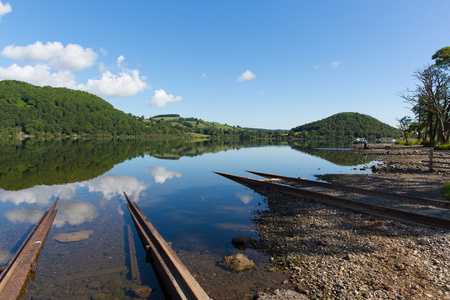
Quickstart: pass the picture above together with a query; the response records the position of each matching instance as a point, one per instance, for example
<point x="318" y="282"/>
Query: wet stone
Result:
<point x="238" y="262"/>
<point x="142" y="292"/>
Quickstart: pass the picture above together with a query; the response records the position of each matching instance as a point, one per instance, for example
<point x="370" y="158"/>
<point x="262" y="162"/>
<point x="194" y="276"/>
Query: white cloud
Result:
<point x="103" y="51"/>
<point x="39" y="75"/>
<point x="74" y="58"/>
<point x="69" y="58"/>
<point x="4" y="9"/>
<point x="120" y="60"/>
<point x="126" y="83"/>
<point x="161" y="174"/>
<point x="161" y="98"/>
<point x="335" y="64"/>
<point x="247" y="75"/>
<point x="66" y="59"/>
<point x="204" y="76"/>
<point x="246" y="199"/>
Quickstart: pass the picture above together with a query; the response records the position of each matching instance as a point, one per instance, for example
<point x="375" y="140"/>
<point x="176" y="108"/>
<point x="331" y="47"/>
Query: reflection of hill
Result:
<point x="335" y="156"/>
<point x="174" y="150"/>
<point x="29" y="163"/>
<point x="56" y="162"/>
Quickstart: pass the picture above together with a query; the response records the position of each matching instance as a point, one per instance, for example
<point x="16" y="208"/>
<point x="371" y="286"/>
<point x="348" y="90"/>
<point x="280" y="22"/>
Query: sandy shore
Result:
<point x="331" y="253"/>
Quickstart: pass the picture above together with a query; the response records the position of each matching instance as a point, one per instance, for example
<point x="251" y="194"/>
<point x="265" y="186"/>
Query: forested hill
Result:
<point x="347" y="124"/>
<point x="33" y="109"/>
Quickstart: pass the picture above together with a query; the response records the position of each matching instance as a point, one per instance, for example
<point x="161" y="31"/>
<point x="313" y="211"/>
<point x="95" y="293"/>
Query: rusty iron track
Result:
<point x="403" y="198"/>
<point x="22" y="267"/>
<point x="382" y="211"/>
<point x="174" y="277"/>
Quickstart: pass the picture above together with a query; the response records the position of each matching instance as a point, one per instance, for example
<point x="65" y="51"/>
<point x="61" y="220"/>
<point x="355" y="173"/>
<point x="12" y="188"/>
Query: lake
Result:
<point x="173" y="182"/>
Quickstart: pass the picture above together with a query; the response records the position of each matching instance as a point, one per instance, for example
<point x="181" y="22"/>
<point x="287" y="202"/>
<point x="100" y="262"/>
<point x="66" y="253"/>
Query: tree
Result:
<point x="442" y="57"/>
<point x="432" y="96"/>
<point x="405" y="126"/>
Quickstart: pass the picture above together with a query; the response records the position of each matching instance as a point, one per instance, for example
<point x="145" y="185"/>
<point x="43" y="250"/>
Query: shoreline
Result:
<point x="331" y="253"/>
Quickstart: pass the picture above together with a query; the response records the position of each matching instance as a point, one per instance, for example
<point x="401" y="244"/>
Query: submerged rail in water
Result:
<point x="174" y="277"/>
<point x="357" y="206"/>
<point x="22" y="267"/>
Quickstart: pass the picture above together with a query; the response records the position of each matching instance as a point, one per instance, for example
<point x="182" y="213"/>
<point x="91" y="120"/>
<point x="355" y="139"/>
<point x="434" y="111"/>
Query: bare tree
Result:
<point x="433" y="96"/>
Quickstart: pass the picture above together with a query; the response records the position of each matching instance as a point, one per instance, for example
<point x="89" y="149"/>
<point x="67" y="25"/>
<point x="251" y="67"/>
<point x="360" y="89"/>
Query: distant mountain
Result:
<point x="347" y="124"/>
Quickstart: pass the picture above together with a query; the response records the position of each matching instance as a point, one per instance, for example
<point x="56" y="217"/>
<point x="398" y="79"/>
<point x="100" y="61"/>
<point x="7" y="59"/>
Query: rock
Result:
<point x="281" y="295"/>
<point x="73" y="236"/>
<point x="99" y="296"/>
<point x="142" y="292"/>
<point x="238" y="262"/>
<point x="243" y="242"/>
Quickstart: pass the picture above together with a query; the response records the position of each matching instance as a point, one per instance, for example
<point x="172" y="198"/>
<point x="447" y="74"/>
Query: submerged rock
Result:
<point x="243" y="242"/>
<point x="238" y="262"/>
<point x="73" y="236"/>
<point x="142" y="292"/>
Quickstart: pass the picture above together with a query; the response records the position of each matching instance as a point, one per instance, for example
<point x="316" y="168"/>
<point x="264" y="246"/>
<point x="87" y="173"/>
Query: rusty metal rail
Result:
<point x="398" y="197"/>
<point x="382" y="211"/>
<point x="174" y="277"/>
<point x="22" y="267"/>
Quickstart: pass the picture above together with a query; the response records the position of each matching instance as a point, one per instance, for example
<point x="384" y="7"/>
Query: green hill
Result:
<point x="32" y="109"/>
<point x="349" y="125"/>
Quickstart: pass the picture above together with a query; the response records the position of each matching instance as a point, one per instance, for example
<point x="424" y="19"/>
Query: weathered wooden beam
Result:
<point x="133" y="260"/>
<point x="398" y="197"/>
<point x="174" y="277"/>
<point x="21" y="268"/>
<point x="357" y="206"/>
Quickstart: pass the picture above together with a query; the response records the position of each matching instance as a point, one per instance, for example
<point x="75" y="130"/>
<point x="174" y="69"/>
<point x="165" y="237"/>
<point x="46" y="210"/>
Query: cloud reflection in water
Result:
<point x="74" y="212"/>
<point x="245" y="198"/>
<point x="40" y="194"/>
<point x="161" y="174"/>
<point x="111" y="186"/>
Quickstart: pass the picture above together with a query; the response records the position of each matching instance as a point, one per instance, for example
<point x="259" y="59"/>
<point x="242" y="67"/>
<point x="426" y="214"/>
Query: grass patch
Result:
<point x="446" y="190"/>
<point x="443" y="147"/>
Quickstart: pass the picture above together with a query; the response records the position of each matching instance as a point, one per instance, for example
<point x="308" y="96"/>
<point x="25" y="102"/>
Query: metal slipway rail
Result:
<point x="175" y="279"/>
<point x="22" y="267"/>
<point x="357" y="206"/>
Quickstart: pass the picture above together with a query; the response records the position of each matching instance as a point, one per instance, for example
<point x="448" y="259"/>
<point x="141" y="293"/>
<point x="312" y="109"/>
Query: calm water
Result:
<point x="173" y="183"/>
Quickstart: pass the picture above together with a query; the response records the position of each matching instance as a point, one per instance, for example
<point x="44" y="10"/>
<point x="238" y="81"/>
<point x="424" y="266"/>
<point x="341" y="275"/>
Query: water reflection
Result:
<point x="27" y="214"/>
<point x="112" y="185"/>
<point x="195" y="209"/>
<point x="161" y="174"/>
<point x="245" y="198"/>
<point x="338" y="152"/>
<point x="41" y="195"/>
<point x="74" y="212"/>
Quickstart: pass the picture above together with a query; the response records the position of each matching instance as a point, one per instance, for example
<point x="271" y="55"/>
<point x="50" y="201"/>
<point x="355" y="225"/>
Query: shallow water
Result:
<point x="197" y="210"/>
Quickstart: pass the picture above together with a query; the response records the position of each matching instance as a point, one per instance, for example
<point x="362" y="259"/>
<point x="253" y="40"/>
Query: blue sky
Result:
<point x="256" y="63"/>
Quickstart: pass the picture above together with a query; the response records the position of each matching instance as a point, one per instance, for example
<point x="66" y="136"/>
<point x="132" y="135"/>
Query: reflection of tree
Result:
<point x="335" y="156"/>
<point x="56" y="162"/>
<point x="24" y="164"/>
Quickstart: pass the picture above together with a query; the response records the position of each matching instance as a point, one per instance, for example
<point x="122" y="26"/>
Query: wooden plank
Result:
<point x="403" y="198"/>
<point x="378" y="210"/>
<point x="135" y="275"/>
<point x="174" y="277"/>
<point x="14" y="278"/>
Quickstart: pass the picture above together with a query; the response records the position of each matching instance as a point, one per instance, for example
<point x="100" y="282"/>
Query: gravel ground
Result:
<point x="331" y="253"/>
